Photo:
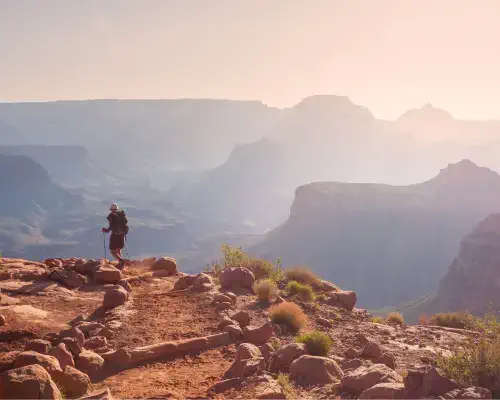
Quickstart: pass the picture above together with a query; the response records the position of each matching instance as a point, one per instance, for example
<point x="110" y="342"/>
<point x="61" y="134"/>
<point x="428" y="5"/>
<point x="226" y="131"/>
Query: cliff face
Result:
<point x="473" y="280"/>
<point x="391" y="244"/>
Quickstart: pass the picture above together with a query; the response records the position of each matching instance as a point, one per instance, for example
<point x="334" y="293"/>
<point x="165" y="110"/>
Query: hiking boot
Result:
<point x="121" y="265"/>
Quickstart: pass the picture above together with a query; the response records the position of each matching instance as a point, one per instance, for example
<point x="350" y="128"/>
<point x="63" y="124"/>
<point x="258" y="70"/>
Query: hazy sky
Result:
<point x="389" y="55"/>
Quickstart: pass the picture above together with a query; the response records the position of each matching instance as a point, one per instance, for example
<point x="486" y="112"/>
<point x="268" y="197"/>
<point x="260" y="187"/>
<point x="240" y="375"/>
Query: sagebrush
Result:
<point x="289" y="314"/>
<point x="396" y="318"/>
<point x="318" y="343"/>
<point x="265" y="290"/>
<point x="476" y="362"/>
<point x="302" y="275"/>
<point x="305" y="291"/>
<point x="237" y="257"/>
<point x="378" y="320"/>
<point x="460" y="320"/>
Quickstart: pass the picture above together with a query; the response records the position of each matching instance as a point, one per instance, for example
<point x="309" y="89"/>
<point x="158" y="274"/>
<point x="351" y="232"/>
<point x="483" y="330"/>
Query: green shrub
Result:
<point x="305" y="291"/>
<point x="318" y="343"/>
<point x="274" y="341"/>
<point x="265" y="290"/>
<point x="476" y="362"/>
<point x="302" y="275"/>
<point x="460" y="320"/>
<point x="284" y="381"/>
<point x="236" y="257"/>
<point x="396" y="318"/>
<point x="378" y="320"/>
<point x="289" y="314"/>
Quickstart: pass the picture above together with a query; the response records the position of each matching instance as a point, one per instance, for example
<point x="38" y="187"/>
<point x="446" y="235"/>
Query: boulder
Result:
<point x="39" y="345"/>
<point x="343" y="299"/>
<point x="232" y="296"/>
<point x="372" y="350"/>
<point x="364" y="378"/>
<point x="50" y="363"/>
<point x="87" y="327"/>
<point x="284" y="356"/>
<point x="74" y="382"/>
<point x="203" y="283"/>
<point x="72" y="345"/>
<point x="387" y="359"/>
<point x="351" y="352"/>
<point x="313" y="370"/>
<point x="362" y="339"/>
<point x="75" y="333"/>
<point x="349" y="365"/>
<point x="125" y="284"/>
<point x="167" y="264"/>
<point x="267" y="351"/>
<point x="473" y="392"/>
<point x="184" y="282"/>
<point x="53" y="263"/>
<point x="222" y="298"/>
<point x="96" y="342"/>
<point x="88" y="268"/>
<point x="7" y="360"/>
<point x="29" y="382"/>
<point x="114" y="297"/>
<point x="107" y="274"/>
<point x="242" y="317"/>
<point x="89" y="362"/>
<point x="258" y="335"/>
<point x="235" y="332"/>
<point x="68" y="278"/>
<point x="435" y="383"/>
<point x="248" y="361"/>
<point x="236" y="278"/>
<point x="63" y="355"/>
<point x="385" y="391"/>
<point x="226" y="321"/>
<point x="224" y="306"/>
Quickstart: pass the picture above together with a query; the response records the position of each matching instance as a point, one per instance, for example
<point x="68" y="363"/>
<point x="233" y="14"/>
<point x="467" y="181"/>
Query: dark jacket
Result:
<point x="117" y="223"/>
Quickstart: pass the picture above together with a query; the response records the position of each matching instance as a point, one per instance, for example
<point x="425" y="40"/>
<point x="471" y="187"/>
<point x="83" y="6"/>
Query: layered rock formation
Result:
<point x="390" y="244"/>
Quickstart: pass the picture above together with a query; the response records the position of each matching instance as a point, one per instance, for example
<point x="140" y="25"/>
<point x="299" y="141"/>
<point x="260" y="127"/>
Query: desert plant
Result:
<point x="237" y="257"/>
<point x="274" y="341"/>
<point x="289" y="314"/>
<point x="378" y="320"/>
<point x="396" y="318"/>
<point x="302" y="275"/>
<point x="318" y="343"/>
<point x="284" y="381"/>
<point x="460" y="320"/>
<point x="265" y="290"/>
<point x="477" y="362"/>
<point x="423" y="319"/>
<point x="305" y="291"/>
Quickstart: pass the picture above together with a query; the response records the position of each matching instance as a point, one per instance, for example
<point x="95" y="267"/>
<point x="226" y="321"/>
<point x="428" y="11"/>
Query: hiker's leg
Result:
<point x="119" y="253"/>
<point x="116" y="254"/>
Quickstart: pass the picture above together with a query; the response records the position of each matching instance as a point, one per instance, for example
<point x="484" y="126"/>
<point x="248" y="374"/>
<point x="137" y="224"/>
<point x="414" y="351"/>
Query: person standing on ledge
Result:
<point x="118" y="226"/>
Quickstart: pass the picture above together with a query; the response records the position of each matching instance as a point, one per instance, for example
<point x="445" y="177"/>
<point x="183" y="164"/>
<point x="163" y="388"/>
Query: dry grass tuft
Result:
<point x="265" y="290"/>
<point x="289" y="314"/>
<point x="396" y="318"/>
<point x="302" y="274"/>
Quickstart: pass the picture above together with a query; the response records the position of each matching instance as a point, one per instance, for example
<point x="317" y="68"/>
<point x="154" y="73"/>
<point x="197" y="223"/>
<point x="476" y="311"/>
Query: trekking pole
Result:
<point x="104" y="238"/>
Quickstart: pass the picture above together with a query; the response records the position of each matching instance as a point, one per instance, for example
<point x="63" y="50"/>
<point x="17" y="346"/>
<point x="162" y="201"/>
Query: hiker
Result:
<point x="119" y="229"/>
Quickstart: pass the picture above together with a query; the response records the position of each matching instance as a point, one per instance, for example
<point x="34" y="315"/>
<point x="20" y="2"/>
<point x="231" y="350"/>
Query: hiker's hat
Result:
<point x="114" y="207"/>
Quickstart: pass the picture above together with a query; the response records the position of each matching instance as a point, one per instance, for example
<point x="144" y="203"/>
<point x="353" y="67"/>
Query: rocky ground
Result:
<point x="84" y="329"/>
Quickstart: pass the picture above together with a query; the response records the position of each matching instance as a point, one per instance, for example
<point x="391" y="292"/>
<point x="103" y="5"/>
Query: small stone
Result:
<point x="235" y="332"/>
<point x="258" y="335"/>
<point x="225" y="322"/>
<point x="224" y="306"/>
<point x="72" y="345"/>
<point x="63" y="355"/>
<point x="352" y="352"/>
<point x="242" y="317"/>
<point x="74" y="382"/>
<point x="2" y="320"/>
<point x="314" y="370"/>
<point x="324" y="322"/>
<point x="114" y="298"/>
<point x="125" y="284"/>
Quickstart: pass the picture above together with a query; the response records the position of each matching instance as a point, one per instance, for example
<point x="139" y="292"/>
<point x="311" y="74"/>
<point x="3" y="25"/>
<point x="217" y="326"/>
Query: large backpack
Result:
<point x="122" y="222"/>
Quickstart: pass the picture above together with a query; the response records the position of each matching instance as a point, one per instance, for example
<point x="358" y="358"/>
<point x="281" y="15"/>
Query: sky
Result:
<point x="388" y="55"/>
